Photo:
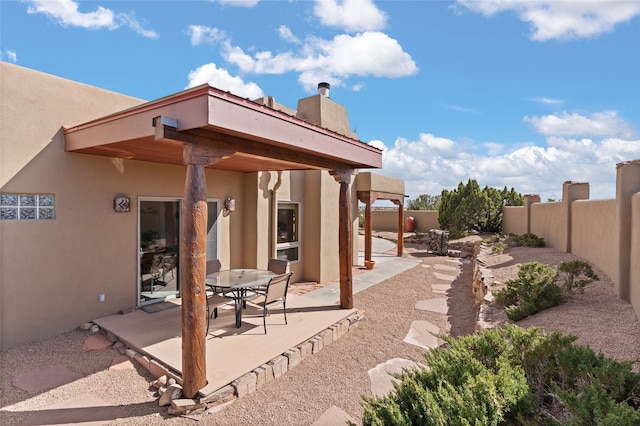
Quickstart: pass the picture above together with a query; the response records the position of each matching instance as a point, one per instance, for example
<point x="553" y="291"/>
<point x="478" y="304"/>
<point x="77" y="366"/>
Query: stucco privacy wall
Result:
<point x="387" y="220"/>
<point x="549" y="222"/>
<point x="634" y="254"/>
<point x="593" y="233"/>
<point x="514" y="219"/>
<point x="604" y="232"/>
<point x="52" y="271"/>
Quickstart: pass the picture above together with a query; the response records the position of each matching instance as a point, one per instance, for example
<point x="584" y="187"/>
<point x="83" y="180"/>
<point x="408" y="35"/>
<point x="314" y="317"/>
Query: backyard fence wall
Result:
<point x="387" y="220"/>
<point x="603" y="232"/>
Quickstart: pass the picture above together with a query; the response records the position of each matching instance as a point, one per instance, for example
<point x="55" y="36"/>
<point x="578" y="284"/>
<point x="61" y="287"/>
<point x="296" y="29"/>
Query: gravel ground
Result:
<point x="336" y="376"/>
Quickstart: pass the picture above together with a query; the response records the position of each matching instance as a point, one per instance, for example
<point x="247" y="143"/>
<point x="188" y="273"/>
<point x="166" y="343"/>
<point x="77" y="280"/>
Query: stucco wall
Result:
<point x="387" y="220"/>
<point x="549" y="221"/>
<point x="634" y="254"/>
<point x="514" y="220"/>
<point x="593" y="233"/>
<point x="52" y="271"/>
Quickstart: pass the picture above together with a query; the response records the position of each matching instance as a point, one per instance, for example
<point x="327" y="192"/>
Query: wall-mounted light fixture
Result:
<point x="122" y="204"/>
<point x="229" y="205"/>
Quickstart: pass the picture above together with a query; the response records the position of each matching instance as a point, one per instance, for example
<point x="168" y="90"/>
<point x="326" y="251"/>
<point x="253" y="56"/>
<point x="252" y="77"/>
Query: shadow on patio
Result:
<point x="231" y="352"/>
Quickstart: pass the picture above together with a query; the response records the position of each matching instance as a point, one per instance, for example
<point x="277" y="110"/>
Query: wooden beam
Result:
<point x="231" y="144"/>
<point x="345" y="239"/>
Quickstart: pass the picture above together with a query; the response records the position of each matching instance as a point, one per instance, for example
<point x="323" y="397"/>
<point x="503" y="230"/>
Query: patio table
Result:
<point x="239" y="284"/>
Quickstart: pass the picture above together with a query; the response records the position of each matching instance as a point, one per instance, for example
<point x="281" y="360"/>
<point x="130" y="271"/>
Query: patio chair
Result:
<point x="156" y="270"/>
<point x="214" y="301"/>
<point x="276" y="291"/>
<point x="169" y="262"/>
<point x="278" y="266"/>
<point x="214" y="266"/>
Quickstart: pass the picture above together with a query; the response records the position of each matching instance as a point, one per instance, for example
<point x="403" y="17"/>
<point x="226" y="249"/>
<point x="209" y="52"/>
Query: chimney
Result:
<point x="323" y="89"/>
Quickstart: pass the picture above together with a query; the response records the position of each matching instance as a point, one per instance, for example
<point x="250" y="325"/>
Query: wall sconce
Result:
<point x="229" y="205"/>
<point x="121" y="204"/>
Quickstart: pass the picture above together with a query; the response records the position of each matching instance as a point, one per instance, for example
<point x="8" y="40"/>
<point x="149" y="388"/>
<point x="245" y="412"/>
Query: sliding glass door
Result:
<point x="159" y="247"/>
<point x="159" y="253"/>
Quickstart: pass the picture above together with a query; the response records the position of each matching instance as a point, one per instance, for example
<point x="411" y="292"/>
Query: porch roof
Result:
<point x="249" y="137"/>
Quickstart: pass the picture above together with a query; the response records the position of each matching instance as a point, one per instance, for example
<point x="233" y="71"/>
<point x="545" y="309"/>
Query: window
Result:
<point x="288" y="247"/>
<point x="27" y="206"/>
<point x="212" y="229"/>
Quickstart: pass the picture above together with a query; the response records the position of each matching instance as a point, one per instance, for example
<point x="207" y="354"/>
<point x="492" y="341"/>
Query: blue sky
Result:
<point x="524" y="94"/>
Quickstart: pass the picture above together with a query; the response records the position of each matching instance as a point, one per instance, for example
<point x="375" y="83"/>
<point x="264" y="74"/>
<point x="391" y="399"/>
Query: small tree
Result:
<point x="468" y="208"/>
<point x="424" y="202"/>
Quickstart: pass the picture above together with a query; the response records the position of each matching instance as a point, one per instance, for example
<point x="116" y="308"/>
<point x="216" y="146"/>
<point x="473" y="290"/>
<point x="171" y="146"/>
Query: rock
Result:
<point x="173" y="392"/>
<point x="96" y="342"/>
<point x="86" y="326"/>
<point x="160" y="382"/>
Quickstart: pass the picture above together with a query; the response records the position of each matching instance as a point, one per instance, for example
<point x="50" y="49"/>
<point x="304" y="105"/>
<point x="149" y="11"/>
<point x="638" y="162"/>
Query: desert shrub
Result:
<point x="577" y="274"/>
<point x="498" y="248"/>
<point x="532" y="291"/>
<point x="527" y="240"/>
<point x="511" y="376"/>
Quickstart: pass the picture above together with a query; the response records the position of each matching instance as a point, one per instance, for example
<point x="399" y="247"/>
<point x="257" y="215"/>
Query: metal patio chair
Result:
<point x="276" y="291"/>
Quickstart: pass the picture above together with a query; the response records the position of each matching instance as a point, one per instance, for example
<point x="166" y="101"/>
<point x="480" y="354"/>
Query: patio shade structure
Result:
<point x="205" y="127"/>
<point x="372" y="187"/>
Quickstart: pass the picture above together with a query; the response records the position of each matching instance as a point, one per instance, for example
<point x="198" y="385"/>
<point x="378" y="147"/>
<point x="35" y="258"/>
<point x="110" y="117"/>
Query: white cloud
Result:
<point x="221" y="79"/>
<point x="239" y="3"/>
<point x="66" y="13"/>
<point x="600" y="124"/>
<point x="548" y="101"/>
<point x="560" y="20"/>
<point x="287" y="35"/>
<point x="10" y="55"/>
<point x="350" y="15"/>
<point x="201" y="34"/>
<point x="365" y="54"/>
<point x="461" y="108"/>
<point x="430" y="164"/>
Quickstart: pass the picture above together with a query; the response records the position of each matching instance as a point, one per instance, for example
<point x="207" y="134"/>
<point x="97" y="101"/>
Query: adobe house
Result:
<point x="96" y="184"/>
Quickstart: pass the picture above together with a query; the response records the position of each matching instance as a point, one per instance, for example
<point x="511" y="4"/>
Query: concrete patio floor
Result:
<point x="233" y="352"/>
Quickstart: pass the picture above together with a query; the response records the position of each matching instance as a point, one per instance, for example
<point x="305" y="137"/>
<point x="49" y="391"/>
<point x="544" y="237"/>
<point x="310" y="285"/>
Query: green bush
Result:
<point x="532" y="291"/>
<point x="536" y="289"/>
<point x="527" y="240"/>
<point x="511" y="376"/>
<point x="577" y="274"/>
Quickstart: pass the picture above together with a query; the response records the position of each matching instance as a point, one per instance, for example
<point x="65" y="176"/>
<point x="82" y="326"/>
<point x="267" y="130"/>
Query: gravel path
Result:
<point x="336" y="376"/>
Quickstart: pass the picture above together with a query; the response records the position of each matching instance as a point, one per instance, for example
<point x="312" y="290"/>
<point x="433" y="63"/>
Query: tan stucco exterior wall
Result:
<point x="634" y="254"/>
<point x="387" y="220"/>
<point x="593" y="235"/>
<point x="604" y="232"/>
<point x="52" y="271"/>
<point x="514" y="220"/>
<point x="549" y="221"/>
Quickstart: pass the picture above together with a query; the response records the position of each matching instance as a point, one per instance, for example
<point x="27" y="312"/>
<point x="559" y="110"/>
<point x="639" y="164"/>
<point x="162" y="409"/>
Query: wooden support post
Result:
<point x="192" y="273"/>
<point x="400" y="229"/>
<point x="368" y="231"/>
<point x="345" y="238"/>
<point x="193" y="266"/>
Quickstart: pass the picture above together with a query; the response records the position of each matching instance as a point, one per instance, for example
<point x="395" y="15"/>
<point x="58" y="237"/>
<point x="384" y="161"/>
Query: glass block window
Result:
<point x="27" y="206"/>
